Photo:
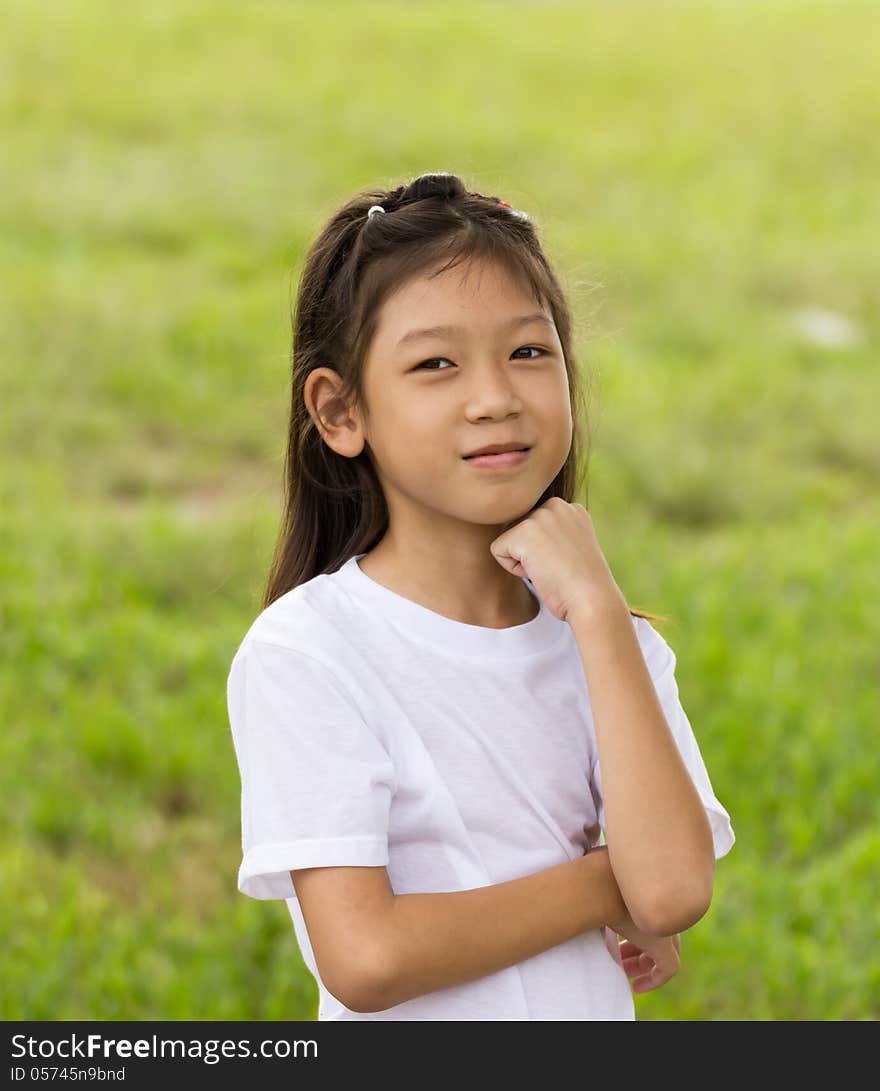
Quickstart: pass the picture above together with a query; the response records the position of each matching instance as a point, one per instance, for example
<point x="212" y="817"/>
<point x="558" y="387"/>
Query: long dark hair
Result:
<point x="334" y="506"/>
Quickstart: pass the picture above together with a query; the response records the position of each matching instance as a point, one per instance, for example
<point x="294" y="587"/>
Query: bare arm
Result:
<point x="439" y="940"/>
<point x="376" y="949"/>
<point x="659" y="838"/>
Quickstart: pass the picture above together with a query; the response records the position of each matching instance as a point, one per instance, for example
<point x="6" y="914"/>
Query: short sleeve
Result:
<point x="316" y="781"/>
<point x="660" y="660"/>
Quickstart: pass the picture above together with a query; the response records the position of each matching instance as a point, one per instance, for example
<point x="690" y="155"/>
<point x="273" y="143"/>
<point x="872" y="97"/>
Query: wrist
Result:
<point x="591" y="608"/>
<point x="598" y="863"/>
<point x="621" y="915"/>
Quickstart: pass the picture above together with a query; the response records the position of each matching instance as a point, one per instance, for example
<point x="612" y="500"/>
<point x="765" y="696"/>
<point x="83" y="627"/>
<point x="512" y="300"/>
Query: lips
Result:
<point x="500" y="460"/>
<point x="496" y="450"/>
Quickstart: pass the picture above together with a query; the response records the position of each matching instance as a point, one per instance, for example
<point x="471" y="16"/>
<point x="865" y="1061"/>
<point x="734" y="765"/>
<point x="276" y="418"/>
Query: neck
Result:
<point x="474" y="590"/>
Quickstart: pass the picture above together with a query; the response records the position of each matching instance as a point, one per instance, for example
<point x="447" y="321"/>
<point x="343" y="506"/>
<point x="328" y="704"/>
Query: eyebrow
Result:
<point x="443" y="331"/>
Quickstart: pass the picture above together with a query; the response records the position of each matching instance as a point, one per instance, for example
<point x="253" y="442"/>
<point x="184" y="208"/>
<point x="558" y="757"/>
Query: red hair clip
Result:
<point x="516" y="211"/>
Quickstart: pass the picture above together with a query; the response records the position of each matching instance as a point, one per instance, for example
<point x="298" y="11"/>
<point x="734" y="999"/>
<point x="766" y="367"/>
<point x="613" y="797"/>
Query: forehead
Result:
<point x="476" y="294"/>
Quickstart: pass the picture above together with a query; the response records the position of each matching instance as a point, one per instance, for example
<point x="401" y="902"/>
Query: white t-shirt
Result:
<point x="370" y="730"/>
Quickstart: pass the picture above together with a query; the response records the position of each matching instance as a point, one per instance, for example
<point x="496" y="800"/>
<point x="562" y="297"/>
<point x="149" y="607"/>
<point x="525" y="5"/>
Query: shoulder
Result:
<point x="308" y="618"/>
<point x="290" y="618"/>
<point x="298" y="632"/>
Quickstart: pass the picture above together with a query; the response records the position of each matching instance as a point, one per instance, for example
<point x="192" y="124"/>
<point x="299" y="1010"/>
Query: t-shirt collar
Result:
<point x="530" y="638"/>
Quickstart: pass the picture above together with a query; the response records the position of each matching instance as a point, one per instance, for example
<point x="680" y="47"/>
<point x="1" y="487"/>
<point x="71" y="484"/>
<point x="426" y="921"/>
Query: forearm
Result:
<point x="437" y="940"/>
<point x="659" y="838"/>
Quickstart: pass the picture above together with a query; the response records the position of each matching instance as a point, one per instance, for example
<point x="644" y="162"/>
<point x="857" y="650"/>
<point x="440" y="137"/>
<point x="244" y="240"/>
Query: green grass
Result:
<point x="700" y="172"/>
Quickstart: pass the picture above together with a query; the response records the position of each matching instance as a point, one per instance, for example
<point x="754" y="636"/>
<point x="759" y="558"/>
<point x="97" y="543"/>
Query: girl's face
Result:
<point x="495" y="375"/>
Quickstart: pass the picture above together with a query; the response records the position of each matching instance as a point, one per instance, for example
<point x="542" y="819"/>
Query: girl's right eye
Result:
<point x="435" y="360"/>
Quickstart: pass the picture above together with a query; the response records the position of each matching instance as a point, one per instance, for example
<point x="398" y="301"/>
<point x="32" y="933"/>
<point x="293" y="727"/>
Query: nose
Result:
<point x="493" y="395"/>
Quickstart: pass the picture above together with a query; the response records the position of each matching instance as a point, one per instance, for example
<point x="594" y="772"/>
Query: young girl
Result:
<point x="445" y="695"/>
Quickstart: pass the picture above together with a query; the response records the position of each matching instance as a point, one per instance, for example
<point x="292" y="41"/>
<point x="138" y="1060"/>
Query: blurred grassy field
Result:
<point x="705" y="179"/>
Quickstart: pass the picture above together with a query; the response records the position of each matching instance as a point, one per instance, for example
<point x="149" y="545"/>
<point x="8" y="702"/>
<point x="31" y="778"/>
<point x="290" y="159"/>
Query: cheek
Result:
<point x="398" y="425"/>
<point x="553" y="408"/>
<point x="418" y="446"/>
<point x="427" y="430"/>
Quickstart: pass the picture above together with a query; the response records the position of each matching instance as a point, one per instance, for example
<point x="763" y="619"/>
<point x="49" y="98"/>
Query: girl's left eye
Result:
<point x="439" y="359"/>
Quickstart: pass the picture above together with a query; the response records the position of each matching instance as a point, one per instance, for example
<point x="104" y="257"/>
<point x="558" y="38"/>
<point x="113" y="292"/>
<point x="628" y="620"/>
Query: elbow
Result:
<point x="365" y="985"/>
<point x="673" y="913"/>
<point x="365" y="995"/>
<point x="359" y="996"/>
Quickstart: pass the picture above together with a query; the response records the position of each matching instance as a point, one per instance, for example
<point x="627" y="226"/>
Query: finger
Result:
<point x="651" y="980"/>
<point x="656" y="976"/>
<point x="667" y="969"/>
<point x="638" y="965"/>
<point x="643" y="982"/>
<point x="628" y="948"/>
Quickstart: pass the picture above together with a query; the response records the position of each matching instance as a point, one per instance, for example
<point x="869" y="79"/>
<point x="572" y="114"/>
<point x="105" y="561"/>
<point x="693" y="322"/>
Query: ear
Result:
<point x="338" y="423"/>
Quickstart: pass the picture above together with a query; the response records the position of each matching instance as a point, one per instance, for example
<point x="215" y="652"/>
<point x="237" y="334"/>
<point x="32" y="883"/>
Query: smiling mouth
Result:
<point x="484" y="454"/>
<point x="500" y="459"/>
